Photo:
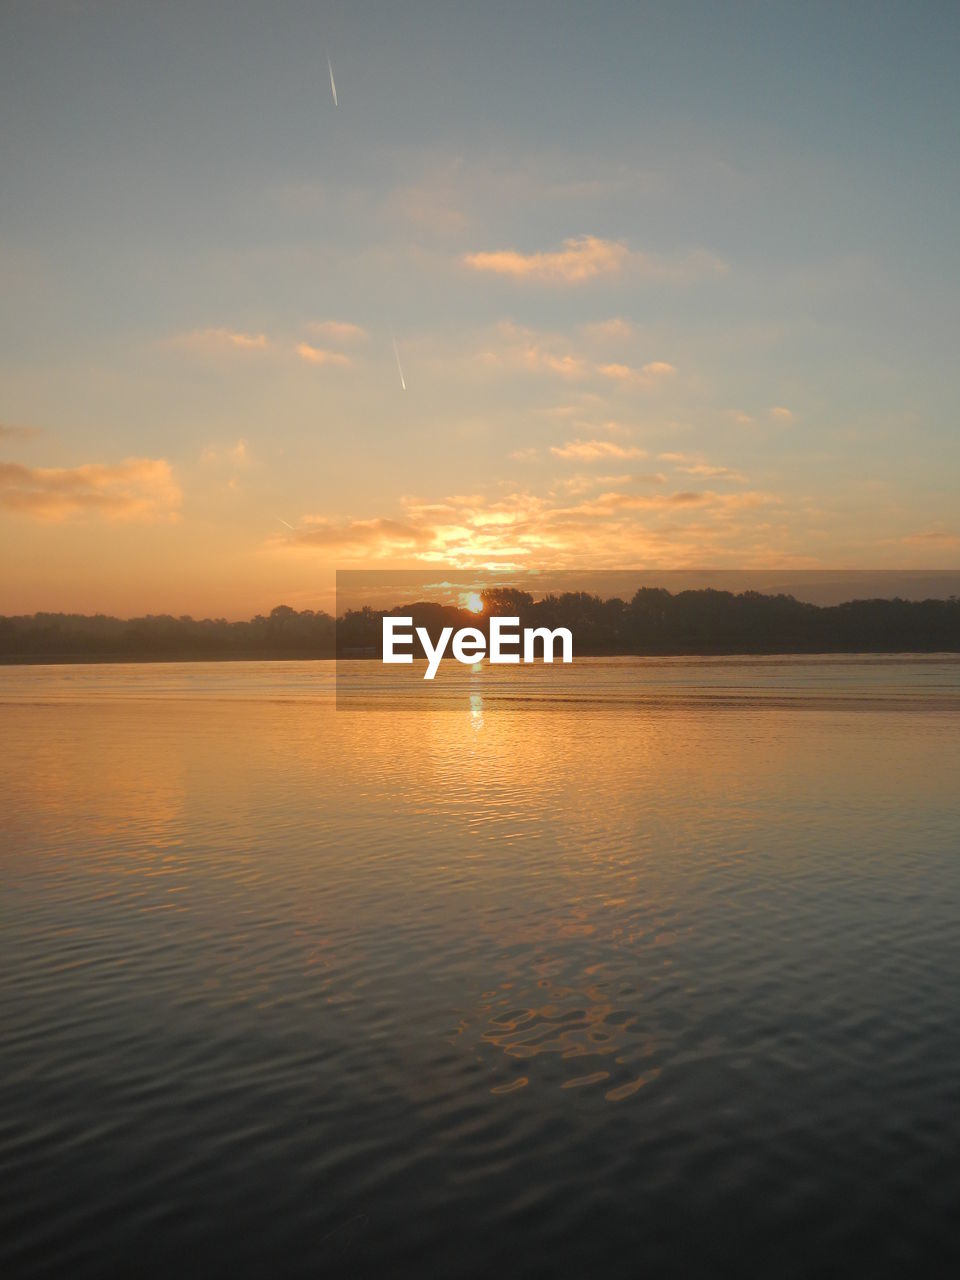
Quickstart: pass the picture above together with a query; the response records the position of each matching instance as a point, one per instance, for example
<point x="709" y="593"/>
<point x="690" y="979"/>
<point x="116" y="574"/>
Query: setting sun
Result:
<point x="473" y="601"/>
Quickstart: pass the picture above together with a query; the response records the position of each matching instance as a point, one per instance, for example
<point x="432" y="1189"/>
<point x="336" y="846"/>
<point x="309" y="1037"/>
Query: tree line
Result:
<point x="73" y="637"/>
<point x="654" y="622"/>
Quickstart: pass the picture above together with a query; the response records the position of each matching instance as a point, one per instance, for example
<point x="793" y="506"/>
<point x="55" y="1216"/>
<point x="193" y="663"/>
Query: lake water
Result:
<point x="639" y="967"/>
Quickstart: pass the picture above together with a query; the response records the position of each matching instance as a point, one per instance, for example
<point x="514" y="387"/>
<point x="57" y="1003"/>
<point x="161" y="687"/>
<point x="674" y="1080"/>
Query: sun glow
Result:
<point x="473" y="601"/>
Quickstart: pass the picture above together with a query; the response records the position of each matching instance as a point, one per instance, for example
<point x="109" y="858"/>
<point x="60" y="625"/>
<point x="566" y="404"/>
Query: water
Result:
<point x="639" y="967"/>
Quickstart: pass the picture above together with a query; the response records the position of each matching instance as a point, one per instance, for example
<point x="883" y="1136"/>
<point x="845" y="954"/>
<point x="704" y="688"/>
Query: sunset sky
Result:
<point x="670" y="286"/>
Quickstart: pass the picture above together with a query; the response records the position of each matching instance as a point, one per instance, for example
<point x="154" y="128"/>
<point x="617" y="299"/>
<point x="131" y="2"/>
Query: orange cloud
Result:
<point x="321" y="355"/>
<point x="617" y="329"/>
<point x="433" y="204"/>
<point x="581" y="258"/>
<point x="338" y="330"/>
<point x="135" y="489"/>
<point x="387" y="536"/>
<point x="590" y="450"/>
<point x="525" y="349"/>
<point x="583" y="482"/>
<point x="932" y="537"/>
<point x="694" y="465"/>
<point x="524" y="528"/>
<point x="709" y="472"/>
<point x="222" y="340"/>
<point x="515" y="346"/>
<point x="235" y="455"/>
<point x="11" y="432"/>
<point x="585" y="258"/>
<point x="647" y="375"/>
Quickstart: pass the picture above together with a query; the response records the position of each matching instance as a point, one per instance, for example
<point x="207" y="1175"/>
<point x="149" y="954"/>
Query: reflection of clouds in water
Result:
<point x="583" y="887"/>
<point x="95" y="772"/>
<point x="576" y="1031"/>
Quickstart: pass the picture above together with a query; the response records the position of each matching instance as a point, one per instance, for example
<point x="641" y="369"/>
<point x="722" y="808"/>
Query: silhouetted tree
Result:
<point x="654" y="622"/>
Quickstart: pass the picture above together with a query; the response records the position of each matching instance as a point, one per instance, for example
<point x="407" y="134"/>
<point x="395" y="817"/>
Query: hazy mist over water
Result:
<point x="639" y="966"/>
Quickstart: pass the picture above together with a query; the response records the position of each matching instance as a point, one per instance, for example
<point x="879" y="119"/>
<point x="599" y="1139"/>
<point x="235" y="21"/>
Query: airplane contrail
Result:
<point x="333" y="83"/>
<point x="399" y="366"/>
<point x="287" y="523"/>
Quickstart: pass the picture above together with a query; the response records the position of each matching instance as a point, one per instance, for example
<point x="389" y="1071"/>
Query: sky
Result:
<point x="567" y="286"/>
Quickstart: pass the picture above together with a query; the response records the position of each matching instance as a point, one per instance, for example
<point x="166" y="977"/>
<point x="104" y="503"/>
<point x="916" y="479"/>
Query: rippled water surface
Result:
<point x="643" y="967"/>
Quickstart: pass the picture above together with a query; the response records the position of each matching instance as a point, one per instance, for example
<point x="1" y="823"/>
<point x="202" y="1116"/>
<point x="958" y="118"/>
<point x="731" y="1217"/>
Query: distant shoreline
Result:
<point x="95" y="660"/>
<point x="653" y="623"/>
<point x="130" y="660"/>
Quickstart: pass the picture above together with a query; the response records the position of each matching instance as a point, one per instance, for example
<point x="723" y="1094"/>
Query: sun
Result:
<point x="473" y="601"/>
